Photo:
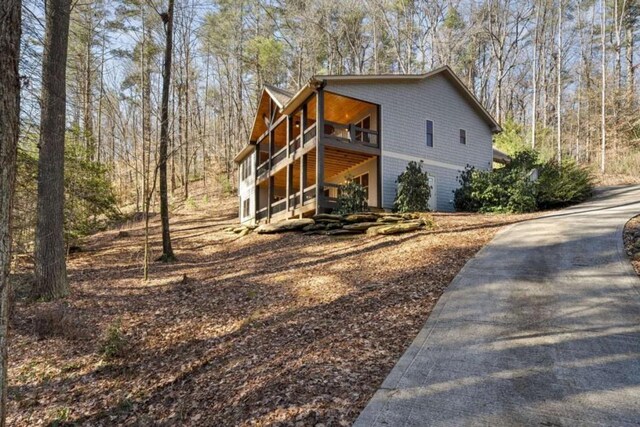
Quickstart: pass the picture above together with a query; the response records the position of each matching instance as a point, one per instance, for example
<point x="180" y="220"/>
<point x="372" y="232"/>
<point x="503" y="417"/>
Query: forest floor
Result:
<point x="259" y="330"/>
<point x="632" y="242"/>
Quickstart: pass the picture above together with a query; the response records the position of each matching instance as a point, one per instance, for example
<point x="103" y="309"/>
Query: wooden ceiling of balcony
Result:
<point x="341" y="109"/>
<point x="336" y="162"/>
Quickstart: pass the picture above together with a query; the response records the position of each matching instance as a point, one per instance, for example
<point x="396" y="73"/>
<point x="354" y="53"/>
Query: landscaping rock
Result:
<point x="314" y="227"/>
<point x="361" y="217"/>
<point x="329" y="217"/>
<point x="390" y="218"/>
<point x="401" y="227"/>
<point x="342" y="232"/>
<point x="361" y="226"/>
<point x="334" y="225"/>
<point x="283" y="226"/>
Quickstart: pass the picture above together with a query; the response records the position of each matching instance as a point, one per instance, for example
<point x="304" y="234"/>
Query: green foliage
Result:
<point x="352" y="198"/>
<point x="89" y="195"/>
<point x="413" y="190"/>
<point x="453" y="20"/>
<point x="560" y="185"/>
<point x="114" y="341"/>
<point x="225" y="184"/>
<point x="512" y="139"/>
<point x="514" y="189"/>
<point x="90" y="201"/>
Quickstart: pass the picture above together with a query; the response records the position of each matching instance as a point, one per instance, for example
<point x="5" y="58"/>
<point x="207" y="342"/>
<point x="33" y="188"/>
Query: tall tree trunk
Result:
<point x="10" y="31"/>
<point x="167" y="251"/>
<point x="603" y="90"/>
<point x="534" y="102"/>
<point x="559" y="86"/>
<point x="50" y="263"/>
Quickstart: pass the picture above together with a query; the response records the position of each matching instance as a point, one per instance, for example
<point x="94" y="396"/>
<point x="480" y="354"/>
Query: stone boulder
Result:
<point x="396" y="228"/>
<point x="361" y="217"/>
<point x="283" y="226"/>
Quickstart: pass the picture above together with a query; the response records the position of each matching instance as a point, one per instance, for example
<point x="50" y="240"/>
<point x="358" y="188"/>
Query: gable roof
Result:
<point x="279" y="96"/>
<point x="288" y="102"/>
<point x="444" y="71"/>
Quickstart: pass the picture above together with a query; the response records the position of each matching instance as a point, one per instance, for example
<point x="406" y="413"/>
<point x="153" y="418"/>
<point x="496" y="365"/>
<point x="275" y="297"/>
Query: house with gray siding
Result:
<point x="368" y="128"/>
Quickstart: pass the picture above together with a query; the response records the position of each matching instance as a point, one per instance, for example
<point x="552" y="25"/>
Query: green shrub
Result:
<point x="413" y="190"/>
<point x="514" y="189"/>
<point x="352" y="198"/>
<point x="562" y="185"/>
<point x="114" y="342"/>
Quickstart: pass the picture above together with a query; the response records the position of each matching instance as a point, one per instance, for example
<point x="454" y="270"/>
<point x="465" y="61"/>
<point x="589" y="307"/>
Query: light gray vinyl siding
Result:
<point x="406" y="106"/>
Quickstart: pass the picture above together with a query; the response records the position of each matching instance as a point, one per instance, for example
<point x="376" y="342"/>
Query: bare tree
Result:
<point x="167" y="250"/>
<point x="603" y="88"/>
<point x="50" y="257"/>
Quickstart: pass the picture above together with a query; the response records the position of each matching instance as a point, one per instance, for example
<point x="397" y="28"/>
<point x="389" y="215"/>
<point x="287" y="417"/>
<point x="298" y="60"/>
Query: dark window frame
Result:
<point x="463" y="136"/>
<point x="429" y="129"/>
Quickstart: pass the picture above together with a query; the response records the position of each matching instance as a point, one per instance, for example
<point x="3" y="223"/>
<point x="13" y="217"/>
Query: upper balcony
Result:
<point x="349" y="124"/>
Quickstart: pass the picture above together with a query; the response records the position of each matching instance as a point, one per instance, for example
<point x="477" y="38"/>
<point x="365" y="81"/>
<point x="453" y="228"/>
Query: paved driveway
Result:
<point x="541" y="328"/>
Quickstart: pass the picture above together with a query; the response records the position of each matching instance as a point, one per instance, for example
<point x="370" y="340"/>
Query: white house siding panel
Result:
<point x="406" y="106"/>
<point x="247" y="189"/>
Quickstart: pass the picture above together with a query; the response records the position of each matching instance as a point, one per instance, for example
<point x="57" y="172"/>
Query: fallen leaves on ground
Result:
<point x="259" y="330"/>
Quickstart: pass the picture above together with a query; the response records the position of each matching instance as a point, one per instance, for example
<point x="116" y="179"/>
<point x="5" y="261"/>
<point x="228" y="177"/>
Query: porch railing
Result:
<point x="351" y="134"/>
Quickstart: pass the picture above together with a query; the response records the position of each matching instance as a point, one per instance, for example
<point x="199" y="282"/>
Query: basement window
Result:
<point x="245" y="208"/>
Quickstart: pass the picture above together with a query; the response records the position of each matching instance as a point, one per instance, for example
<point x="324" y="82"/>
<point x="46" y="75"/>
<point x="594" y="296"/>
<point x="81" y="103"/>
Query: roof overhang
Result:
<point x="248" y="149"/>
<point x="317" y="82"/>
<point x="445" y="71"/>
<point x="501" y="157"/>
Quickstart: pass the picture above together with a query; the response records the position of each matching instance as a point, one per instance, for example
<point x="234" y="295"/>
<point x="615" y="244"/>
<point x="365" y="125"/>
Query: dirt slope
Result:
<point x="259" y="330"/>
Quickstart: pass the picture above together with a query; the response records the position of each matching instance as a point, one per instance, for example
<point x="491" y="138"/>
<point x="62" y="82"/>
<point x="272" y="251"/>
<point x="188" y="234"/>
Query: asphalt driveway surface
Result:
<point x="542" y="328"/>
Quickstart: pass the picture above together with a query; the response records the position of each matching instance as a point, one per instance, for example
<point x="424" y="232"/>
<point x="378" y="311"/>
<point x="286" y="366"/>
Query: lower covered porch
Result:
<point x="293" y="192"/>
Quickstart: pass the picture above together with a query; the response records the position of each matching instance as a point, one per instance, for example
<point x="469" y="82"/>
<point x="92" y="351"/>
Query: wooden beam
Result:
<point x="379" y="161"/>
<point x="269" y="198"/>
<point x="303" y="177"/>
<point x="357" y="148"/>
<point x="289" y="187"/>
<point x="319" y="149"/>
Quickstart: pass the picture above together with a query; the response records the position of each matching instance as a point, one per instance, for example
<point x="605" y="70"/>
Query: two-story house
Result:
<point x="304" y="145"/>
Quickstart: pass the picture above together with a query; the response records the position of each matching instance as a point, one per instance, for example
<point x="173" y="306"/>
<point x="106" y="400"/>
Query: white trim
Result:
<point x="419" y="159"/>
<point x="433" y="199"/>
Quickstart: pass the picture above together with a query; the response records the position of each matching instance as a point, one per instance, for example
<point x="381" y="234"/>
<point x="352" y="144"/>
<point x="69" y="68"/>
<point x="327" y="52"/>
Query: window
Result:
<point x="363" y="180"/>
<point x="245" y="168"/>
<point x="363" y="124"/>
<point x="245" y="208"/>
<point x="429" y="133"/>
<point x="463" y="136"/>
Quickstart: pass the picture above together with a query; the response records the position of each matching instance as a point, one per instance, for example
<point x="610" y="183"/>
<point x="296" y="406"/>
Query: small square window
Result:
<point x="463" y="136"/>
<point x="429" y="133"/>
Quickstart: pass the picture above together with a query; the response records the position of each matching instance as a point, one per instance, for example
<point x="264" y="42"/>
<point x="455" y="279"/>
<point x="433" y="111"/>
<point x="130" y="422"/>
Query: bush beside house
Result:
<point x="527" y="184"/>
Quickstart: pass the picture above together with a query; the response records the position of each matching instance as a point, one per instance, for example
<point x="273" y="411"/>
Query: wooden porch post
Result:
<point x="379" y="162"/>
<point x="319" y="151"/>
<point x="289" y="187"/>
<point x="303" y="177"/>
<point x="256" y="192"/>
<point x="269" y="197"/>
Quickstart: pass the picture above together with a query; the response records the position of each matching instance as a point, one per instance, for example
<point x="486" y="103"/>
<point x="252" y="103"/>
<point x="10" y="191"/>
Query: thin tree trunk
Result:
<point x="50" y="263"/>
<point x="559" y="86"/>
<point x="10" y="32"/>
<point x="534" y="102"/>
<point x="167" y="251"/>
<point x="603" y="91"/>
